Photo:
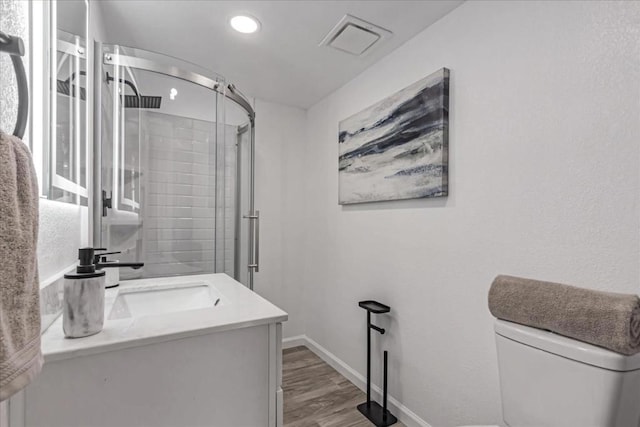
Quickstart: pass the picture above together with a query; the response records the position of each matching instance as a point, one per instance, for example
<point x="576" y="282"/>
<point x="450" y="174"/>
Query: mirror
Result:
<point x="69" y="148"/>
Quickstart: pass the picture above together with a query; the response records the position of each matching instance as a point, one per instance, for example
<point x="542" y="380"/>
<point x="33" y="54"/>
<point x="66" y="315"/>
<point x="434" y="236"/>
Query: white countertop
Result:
<point x="239" y="308"/>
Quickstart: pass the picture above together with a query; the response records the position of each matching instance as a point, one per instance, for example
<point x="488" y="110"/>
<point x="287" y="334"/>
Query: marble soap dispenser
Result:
<point x="83" y="307"/>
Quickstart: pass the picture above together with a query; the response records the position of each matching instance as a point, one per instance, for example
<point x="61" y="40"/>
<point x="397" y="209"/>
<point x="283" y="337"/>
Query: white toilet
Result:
<point x="547" y="380"/>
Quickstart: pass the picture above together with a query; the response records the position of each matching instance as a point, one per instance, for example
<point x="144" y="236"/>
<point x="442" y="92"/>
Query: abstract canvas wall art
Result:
<point x="397" y="148"/>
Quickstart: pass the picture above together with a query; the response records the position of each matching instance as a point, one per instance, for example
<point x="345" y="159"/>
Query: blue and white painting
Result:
<point x="397" y="148"/>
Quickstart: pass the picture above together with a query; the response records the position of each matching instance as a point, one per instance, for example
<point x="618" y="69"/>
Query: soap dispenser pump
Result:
<point x="83" y="311"/>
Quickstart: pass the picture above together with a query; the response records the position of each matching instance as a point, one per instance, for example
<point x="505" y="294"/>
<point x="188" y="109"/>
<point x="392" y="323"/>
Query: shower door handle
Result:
<point x="257" y="243"/>
<point x="107" y="202"/>
<point x="254" y="262"/>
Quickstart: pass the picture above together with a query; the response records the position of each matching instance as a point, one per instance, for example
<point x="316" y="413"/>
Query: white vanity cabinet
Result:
<point x="208" y="367"/>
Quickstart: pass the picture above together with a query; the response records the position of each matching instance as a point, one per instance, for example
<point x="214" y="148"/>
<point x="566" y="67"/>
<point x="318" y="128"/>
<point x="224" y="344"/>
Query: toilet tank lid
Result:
<point x="567" y="347"/>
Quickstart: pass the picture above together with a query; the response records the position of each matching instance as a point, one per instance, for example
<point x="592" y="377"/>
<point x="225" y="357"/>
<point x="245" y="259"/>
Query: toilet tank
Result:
<point x="547" y="380"/>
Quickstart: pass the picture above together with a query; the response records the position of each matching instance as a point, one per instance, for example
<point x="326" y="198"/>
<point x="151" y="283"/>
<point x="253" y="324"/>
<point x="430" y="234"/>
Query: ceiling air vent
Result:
<point x="355" y="36"/>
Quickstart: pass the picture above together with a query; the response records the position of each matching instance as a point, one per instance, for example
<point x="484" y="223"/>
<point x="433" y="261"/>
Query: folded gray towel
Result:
<point x="605" y="319"/>
<point x="20" y="355"/>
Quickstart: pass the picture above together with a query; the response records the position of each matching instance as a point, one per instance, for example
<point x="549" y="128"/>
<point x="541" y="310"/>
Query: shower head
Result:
<point x="137" y="100"/>
<point x="65" y="87"/>
<point x="133" y="101"/>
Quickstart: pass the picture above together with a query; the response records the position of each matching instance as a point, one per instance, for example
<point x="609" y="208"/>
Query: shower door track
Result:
<point x="169" y="70"/>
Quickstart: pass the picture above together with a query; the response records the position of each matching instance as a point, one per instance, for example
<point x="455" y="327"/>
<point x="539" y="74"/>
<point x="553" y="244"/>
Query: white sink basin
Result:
<point x="154" y="300"/>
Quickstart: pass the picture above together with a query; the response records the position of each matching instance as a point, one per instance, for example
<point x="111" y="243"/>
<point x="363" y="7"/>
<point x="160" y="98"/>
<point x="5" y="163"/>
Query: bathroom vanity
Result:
<point x="197" y="350"/>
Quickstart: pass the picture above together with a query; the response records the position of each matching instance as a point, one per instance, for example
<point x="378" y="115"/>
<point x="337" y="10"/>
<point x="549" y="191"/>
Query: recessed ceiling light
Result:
<point x="245" y="24"/>
<point x="172" y="93"/>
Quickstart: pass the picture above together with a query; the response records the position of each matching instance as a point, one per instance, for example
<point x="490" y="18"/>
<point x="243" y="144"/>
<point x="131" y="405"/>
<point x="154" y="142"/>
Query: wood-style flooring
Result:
<point x="316" y="395"/>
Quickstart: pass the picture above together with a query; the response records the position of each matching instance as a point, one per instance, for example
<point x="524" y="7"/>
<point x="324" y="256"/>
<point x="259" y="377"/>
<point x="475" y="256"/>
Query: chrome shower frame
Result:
<point x="229" y="91"/>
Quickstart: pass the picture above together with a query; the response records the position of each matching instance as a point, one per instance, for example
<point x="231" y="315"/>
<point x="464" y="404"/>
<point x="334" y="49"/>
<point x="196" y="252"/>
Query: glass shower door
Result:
<point x="247" y="219"/>
<point x="122" y="178"/>
<point x="176" y="168"/>
<point x="162" y="149"/>
<point x="239" y="133"/>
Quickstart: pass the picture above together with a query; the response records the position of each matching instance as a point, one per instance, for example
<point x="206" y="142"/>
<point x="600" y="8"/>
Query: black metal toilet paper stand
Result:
<point x="378" y="415"/>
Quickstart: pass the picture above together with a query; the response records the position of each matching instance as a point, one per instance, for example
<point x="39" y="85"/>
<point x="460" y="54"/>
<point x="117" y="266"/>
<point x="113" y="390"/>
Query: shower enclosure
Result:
<point x="174" y="162"/>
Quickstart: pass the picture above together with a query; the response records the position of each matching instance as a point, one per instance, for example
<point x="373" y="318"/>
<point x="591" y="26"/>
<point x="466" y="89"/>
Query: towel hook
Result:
<point x="15" y="48"/>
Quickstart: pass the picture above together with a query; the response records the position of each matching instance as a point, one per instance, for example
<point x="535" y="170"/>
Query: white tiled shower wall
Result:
<point x="180" y="211"/>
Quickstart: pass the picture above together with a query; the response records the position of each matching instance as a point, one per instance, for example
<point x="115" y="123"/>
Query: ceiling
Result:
<point x="282" y="62"/>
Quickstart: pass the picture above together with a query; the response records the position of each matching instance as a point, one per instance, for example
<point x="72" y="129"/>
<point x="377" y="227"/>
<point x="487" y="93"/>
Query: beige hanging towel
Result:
<point x="20" y="354"/>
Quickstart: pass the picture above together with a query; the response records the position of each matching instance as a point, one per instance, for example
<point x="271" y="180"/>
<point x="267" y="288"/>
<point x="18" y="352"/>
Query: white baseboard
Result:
<point x="404" y="414"/>
<point x="4" y="413"/>
<point x="296" y="341"/>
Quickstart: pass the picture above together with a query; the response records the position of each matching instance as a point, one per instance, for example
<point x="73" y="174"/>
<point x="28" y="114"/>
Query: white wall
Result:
<point x="280" y="198"/>
<point x="14" y="21"/>
<point x="544" y="183"/>
<point x="63" y="229"/>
